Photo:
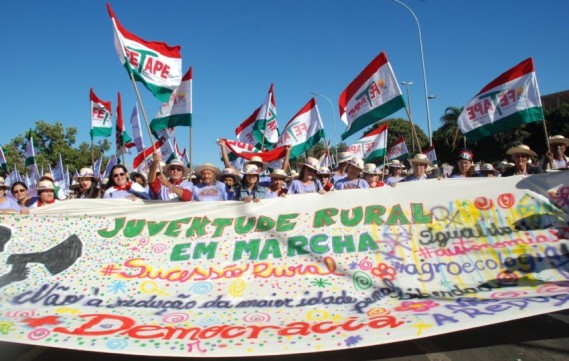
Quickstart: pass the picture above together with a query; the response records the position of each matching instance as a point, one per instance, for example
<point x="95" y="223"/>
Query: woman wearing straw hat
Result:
<point x="307" y="181"/>
<point x="371" y="174"/>
<point x="555" y="157"/>
<point x="395" y="169"/>
<point x="521" y="155"/>
<point x="419" y="162"/>
<point x="325" y="176"/>
<point x="251" y="191"/>
<point x="119" y="186"/>
<point x="171" y="184"/>
<point x="88" y="184"/>
<point x="209" y="189"/>
<point x="7" y="204"/>
<point x="231" y="179"/>
<point x="277" y="188"/>
<point x="340" y="172"/>
<point x="46" y="194"/>
<point x="352" y="179"/>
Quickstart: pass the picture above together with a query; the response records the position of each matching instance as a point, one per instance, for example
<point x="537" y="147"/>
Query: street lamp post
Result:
<point x="408" y="110"/>
<point x="334" y="123"/>
<point x="424" y="71"/>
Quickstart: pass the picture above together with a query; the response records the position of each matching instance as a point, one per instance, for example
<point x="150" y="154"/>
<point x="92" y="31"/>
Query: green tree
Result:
<point x="399" y="127"/>
<point x="50" y="140"/>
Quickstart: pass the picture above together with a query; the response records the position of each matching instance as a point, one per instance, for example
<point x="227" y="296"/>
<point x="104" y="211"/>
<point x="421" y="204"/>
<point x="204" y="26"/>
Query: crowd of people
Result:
<point x="254" y="182"/>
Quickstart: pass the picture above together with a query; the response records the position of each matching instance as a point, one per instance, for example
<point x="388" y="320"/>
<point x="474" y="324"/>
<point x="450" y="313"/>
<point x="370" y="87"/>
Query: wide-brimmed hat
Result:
<point x="369" y="168"/>
<point x="558" y="139"/>
<point x="521" y="149"/>
<point x="395" y="163"/>
<point x="3" y="184"/>
<point x="421" y="158"/>
<point x="86" y="173"/>
<point x="256" y="160"/>
<point x="278" y="173"/>
<point x="324" y="170"/>
<point x="465" y="154"/>
<point x="251" y="168"/>
<point x="356" y="162"/>
<point x="208" y="166"/>
<point x="230" y="172"/>
<point x="344" y="157"/>
<point x="45" y="185"/>
<point x="488" y="168"/>
<point x="177" y="163"/>
<point x="293" y="175"/>
<point x="137" y="174"/>
<point x="47" y="176"/>
<point x="311" y="162"/>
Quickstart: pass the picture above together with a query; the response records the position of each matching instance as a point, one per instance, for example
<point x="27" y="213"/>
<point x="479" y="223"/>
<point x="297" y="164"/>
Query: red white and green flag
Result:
<point x="238" y="151"/>
<point x="431" y="154"/>
<point x="509" y="101"/>
<point x="178" y="110"/>
<point x="101" y="124"/>
<point x="260" y="128"/>
<point x="155" y="64"/>
<point x="303" y="131"/>
<point x="30" y="152"/>
<point x="123" y="140"/>
<point x="372" y="145"/>
<point x="373" y="95"/>
<point x="398" y="150"/>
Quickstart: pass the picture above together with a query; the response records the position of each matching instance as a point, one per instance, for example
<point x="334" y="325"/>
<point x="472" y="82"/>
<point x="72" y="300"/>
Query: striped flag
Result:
<point x="178" y="110"/>
<point x="372" y="145"/>
<point x="101" y="125"/>
<point x="431" y="154"/>
<point x="398" y="150"/>
<point x="303" y="131"/>
<point x="155" y="64"/>
<point x="123" y="140"/>
<point x="373" y="95"/>
<point x="261" y="127"/>
<point x="509" y="101"/>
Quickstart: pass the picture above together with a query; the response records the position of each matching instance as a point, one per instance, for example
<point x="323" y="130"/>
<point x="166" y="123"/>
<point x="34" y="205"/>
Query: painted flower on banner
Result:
<point x="353" y="340"/>
<point x="384" y="271"/>
<point x="5" y="327"/>
<point x="321" y="282"/>
<point x="418" y="306"/>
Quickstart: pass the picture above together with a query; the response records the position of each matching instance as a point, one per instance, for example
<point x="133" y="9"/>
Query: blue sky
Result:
<point x="55" y="51"/>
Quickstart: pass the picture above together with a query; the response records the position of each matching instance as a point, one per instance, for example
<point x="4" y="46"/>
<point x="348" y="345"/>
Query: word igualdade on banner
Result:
<point x="202" y="226"/>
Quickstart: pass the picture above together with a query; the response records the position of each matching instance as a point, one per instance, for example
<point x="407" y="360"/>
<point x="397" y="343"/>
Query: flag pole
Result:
<point x="546" y="136"/>
<point x="191" y="152"/>
<point x="92" y="150"/>
<point x="142" y="108"/>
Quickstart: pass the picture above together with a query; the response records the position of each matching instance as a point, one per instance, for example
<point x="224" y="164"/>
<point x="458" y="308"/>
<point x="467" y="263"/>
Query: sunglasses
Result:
<point x="16" y="191"/>
<point x="177" y="169"/>
<point x="116" y="175"/>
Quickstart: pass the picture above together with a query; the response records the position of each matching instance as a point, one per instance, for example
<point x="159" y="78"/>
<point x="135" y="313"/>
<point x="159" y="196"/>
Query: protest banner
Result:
<point x="305" y="273"/>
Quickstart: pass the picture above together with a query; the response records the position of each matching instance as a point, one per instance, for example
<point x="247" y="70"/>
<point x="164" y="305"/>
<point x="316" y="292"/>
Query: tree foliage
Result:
<point x="50" y="140"/>
<point x="399" y="127"/>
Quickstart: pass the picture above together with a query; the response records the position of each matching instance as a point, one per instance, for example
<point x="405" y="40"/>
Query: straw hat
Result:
<point x="178" y="163"/>
<point x="356" y="162"/>
<point x="293" y="175"/>
<point x="278" y="174"/>
<point x="395" y="163"/>
<point x="324" y="170"/>
<point x="370" y="168"/>
<point x="3" y="184"/>
<point x="344" y="157"/>
<point x="210" y="167"/>
<point x="558" y="139"/>
<point x="311" y="163"/>
<point x="251" y="169"/>
<point x="257" y="161"/>
<point x="230" y="172"/>
<point x="45" y="185"/>
<point x="521" y="149"/>
<point x="85" y="173"/>
<point x="421" y="158"/>
<point x="488" y="168"/>
<point x="47" y="176"/>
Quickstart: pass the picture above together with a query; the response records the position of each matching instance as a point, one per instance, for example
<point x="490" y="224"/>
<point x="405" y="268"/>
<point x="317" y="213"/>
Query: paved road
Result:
<point x="540" y="338"/>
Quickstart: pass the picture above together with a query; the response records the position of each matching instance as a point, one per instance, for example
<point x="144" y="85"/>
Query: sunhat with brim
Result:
<point x="231" y="173"/>
<point x="344" y="157"/>
<point x="357" y="162"/>
<point x="293" y="175"/>
<point x="251" y="169"/>
<point x="488" y="168"/>
<point x="369" y="168"/>
<point x="420" y="158"/>
<point x="45" y="185"/>
<point x="521" y="149"/>
<point x="47" y="176"/>
<point x="278" y="174"/>
<point x="136" y="174"/>
<point x="3" y="184"/>
<point x="258" y="161"/>
<point x="396" y="164"/>
<point x="324" y="171"/>
<point x="559" y="139"/>
<point x="176" y="163"/>
<point x="86" y="173"/>
<point x="311" y="163"/>
<point x="208" y="166"/>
